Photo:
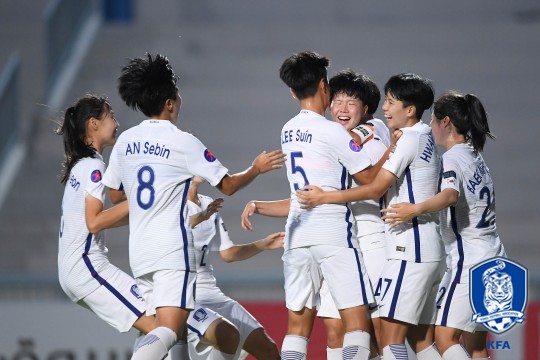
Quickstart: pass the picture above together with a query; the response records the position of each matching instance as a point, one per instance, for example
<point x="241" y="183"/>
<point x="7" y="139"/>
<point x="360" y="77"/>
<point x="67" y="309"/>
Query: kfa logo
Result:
<point x="498" y="294"/>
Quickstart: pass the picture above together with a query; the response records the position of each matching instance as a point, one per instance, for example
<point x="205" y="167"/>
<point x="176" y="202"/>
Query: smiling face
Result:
<point x="396" y="113"/>
<point x="107" y="128"/>
<point x="347" y="110"/>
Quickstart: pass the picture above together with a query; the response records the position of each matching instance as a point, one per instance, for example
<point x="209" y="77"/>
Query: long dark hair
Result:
<point x="73" y="130"/>
<point x="468" y="116"/>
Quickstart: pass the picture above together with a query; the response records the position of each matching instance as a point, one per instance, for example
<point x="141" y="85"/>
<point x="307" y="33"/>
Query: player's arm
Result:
<point x="98" y="219"/>
<point x="243" y="252"/>
<point x="400" y="213"/>
<point x="366" y="176"/>
<point x="204" y="215"/>
<point x="262" y="164"/>
<point x="277" y="208"/>
<point x="316" y="196"/>
<point x="117" y="196"/>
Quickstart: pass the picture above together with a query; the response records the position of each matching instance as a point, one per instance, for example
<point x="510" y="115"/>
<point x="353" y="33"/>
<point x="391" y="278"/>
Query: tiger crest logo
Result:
<point x="498" y="294"/>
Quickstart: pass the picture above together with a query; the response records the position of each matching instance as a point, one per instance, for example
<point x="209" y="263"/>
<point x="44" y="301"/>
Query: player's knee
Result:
<point x="334" y="339"/>
<point x="260" y="345"/>
<point x="227" y="337"/>
<point x="445" y="339"/>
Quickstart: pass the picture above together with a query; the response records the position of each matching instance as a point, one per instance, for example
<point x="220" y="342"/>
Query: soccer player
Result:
<point x="153" y="163"/>
<point x="466" y="203"/>
<point x="409" y="282"/>
<point x="320" y="243"/>
<point x="84" y="270"/>
<point x="354" y="98"/>
<point x="253" y="338"/>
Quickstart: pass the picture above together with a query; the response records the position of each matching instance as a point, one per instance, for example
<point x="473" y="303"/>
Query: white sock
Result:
<point x="138" y="340"/>
<point x="429" y="353"/>
<point x="456" y="352"/>
<point x="155" y="344"/>
<point x="179" y="351"/>
<point x="334" y="354"/>
<point x="215" y="354"/>
<point x="356" y="345"/>
<point x="395" y="352"/>
<point x="294" y="347"/>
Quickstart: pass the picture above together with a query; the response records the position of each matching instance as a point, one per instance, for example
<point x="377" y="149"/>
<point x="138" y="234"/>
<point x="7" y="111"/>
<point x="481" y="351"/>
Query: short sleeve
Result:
<point x="451" y="174"/>
<point x="403" y="154"/>
<point x="224" y="241"/>
<point x="349" y="153"/>
<point x="111" y="178"/>
<point x="94" y="186"/>
<point x="202" y="162"/>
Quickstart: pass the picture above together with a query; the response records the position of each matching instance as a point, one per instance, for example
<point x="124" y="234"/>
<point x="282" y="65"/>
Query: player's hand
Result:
<point x="269" y="161"/>
<point x="310" y="196"/>
<point x="395" y="137"/>
<point x="398" y="214"/>
<point x="273" y="241"/>
<point x="212" y="208"/>
<point x="246" y="214"/>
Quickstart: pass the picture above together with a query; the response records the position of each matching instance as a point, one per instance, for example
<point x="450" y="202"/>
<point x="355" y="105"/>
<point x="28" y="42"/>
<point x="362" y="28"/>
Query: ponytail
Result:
<point x="468" y="116"/>
<point x="479" y="123"/>
<point x="73" y="130"/>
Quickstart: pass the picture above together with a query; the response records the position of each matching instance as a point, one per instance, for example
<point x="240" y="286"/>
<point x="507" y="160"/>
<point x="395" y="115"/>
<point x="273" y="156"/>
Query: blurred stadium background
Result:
<point x="227" y="55"/>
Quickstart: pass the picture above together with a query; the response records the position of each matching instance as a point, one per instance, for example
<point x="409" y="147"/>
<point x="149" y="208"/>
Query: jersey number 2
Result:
<point x="487" y="215"/>
<point x="145" y="184"/>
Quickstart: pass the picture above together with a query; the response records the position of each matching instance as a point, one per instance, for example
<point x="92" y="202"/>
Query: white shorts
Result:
<point x="374" y="260"/>
<point x="453" y="305"/>
<point x="162" y="288"/>
<point x="342" y="268"/>
<point x="198" y="322"/>
<point x="407" y="291"/>
<point x="117" y="301"/>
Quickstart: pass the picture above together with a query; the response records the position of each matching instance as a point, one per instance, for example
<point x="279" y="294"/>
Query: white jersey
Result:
<point x="205" y="241"/>
<point x="468" y="228"/>
<point x="154" y="163"/>
<point x="381" y="130"/>
<point x="320" y="152"/>
<point x="415" y="163"/>
<point x="368" y="212"/>
<point x="82" y="256"/>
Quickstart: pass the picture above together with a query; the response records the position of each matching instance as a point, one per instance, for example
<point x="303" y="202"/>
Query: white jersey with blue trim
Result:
<point x="206" y="241"/>
<point x="154" y="162"/>
<point x="468" y="228"/>
<point x="368" y="212"/>
<point x="320" y="152"/>
<point x="381" y="130"/>
<point x="415" y="163"/>
<point x="82" y="256"/>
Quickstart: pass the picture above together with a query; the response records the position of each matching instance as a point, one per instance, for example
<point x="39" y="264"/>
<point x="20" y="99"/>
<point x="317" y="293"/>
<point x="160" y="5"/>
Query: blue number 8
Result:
<point x="145" y="185"/>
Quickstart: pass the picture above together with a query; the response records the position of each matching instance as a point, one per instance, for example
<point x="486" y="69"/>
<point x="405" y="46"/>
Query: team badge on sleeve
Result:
<point x="95" y="176"/>
<point x="200" y="315"/>
<point x="498" y="294"/>
<point x="449" y="176"/>
<point x="354" y="146"/>
<point x="209" y="156"/>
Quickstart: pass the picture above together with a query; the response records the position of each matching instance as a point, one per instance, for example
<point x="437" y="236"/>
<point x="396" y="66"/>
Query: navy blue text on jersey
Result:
<point x="74" y="182"/>
<point x="477" y="177"/>
<point x="427" y="154"/>
<point x="147" y="148"/>
<point x="300" y="136"/>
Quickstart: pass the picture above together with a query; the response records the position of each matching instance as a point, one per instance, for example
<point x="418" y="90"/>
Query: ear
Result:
<point x="364" y="110"/>
<point x="93" y="123"/>
<point x="446" y="121"/>
<point x="169" y="105"/>
<point x="293" y="94"/>
<point x="411" y="111"/>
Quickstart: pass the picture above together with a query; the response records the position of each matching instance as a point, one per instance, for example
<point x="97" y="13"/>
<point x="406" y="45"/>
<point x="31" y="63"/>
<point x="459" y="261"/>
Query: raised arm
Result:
<point x="263" y="163"/>
<point x="205" y="214"/>
<point x="243" y="252"/>
<point x="400" y="213"/>
<point x="98" y="219"/>
<point x="277" y="208"/>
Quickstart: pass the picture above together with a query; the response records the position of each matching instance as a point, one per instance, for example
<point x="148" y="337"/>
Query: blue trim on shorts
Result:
<point x="417" y="258"/>
<point x="397" y="289"/>
<point x="104" y="282"/>
<point x="186" y="245"/>
<point x="348" y="213"/>
<point x="362" y="285"/>
<point x="194" y="330"/>
<point x="459" y="270"/>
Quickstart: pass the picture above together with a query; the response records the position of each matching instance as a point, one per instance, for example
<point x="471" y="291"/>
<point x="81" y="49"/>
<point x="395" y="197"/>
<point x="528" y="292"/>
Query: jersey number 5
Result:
<point x="298" y="169"/>
<point x="145" y="185"/>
